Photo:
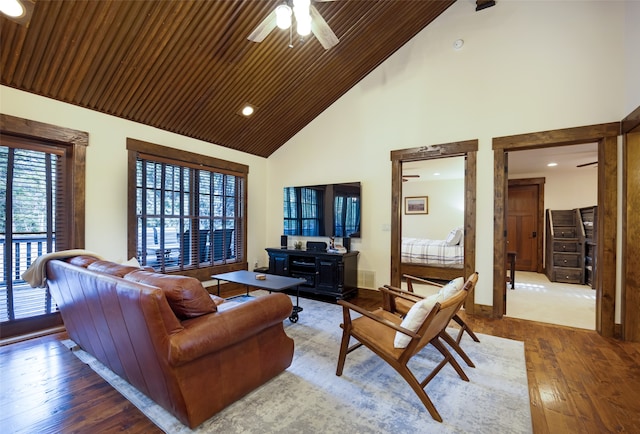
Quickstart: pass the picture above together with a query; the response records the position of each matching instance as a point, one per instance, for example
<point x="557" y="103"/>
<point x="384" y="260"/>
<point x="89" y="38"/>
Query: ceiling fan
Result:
<point x="587" y="164"/>
<point x="307" y="18"/>
<point x="405" y="178"/>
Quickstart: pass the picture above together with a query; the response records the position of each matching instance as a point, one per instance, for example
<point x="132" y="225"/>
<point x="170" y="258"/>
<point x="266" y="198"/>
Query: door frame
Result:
<point x="606" y="135"/>
<point x="539" y="182"/>
<point x="467" y="149"/>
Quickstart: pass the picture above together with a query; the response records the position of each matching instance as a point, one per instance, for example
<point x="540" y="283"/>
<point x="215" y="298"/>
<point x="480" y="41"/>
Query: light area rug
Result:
<point x="370" y="396"/>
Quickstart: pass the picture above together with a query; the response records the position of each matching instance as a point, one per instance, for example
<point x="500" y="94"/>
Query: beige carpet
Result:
<point x="535" y="298"/>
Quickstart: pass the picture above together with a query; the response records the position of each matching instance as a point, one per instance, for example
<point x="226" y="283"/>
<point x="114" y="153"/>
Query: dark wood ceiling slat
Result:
<point x="200" y="60"/>
<point x="13" y="36"/>
<point x="129" y="46"/>
<point x="187" y="66"/>
<point x="110" y="54"/>
<point x="168" y="61"/>
<point x="72" y="41"/>
<point x="52" y="61"/>
<point x="35" y="46"/>
<point x="93" y="38"/>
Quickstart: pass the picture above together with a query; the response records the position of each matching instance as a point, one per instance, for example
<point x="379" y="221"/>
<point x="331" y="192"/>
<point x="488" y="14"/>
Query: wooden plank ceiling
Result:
<point x="187" y="66"/>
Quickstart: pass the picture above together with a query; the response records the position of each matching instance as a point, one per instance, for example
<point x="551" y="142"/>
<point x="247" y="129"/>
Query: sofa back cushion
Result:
<point x="112" y="268"/>
<point x="186" y="295"/>
<point x="82" y="261"/>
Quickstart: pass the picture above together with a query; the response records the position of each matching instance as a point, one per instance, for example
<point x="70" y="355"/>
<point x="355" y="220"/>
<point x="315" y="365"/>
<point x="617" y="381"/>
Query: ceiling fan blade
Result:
<point x="321" y="29"/>
<point x="587" y="164"/>
<point x="264" y="28"/>
<point x="411" y="176"/>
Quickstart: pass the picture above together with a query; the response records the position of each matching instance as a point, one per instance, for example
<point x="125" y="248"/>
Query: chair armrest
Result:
<point x="216" y="331"/>
<point x="397" y="292"/>
<point x="421" y="280"/>
<point x="348" y="307"/>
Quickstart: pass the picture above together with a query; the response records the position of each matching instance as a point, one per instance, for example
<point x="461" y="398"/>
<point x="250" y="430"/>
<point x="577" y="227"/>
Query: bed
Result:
<point x="435" y="259"/>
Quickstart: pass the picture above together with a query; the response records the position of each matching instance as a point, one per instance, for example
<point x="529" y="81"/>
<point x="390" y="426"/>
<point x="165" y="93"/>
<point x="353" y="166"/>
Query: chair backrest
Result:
<point x="222" y="247"/>
<point x="440" y="316"/>
<point x="436" y="321"/>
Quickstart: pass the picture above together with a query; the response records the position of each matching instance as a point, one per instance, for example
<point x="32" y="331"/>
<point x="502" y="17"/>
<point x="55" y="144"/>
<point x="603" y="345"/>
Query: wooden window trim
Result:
<point x="169" y="155"/>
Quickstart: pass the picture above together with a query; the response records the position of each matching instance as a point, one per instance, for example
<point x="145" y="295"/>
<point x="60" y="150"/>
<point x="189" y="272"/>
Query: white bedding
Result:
<point x="432" y="252"/>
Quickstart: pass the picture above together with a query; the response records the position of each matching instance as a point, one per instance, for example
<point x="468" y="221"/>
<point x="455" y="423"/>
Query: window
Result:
<point x="302" y="211"/>
<point x="37" y="214"/>
<point x="189" y="211"/>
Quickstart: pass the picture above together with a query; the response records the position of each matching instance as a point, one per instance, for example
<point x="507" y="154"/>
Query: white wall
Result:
<point x="526" y="66"/>
<point x="445" y="206"/>
<point x="563" y="190"/>
<point x="106" y="182"/>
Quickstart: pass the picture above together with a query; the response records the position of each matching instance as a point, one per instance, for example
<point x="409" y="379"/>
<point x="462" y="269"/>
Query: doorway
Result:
<point x="606" y="137"/>
<point x="525" y="207"/>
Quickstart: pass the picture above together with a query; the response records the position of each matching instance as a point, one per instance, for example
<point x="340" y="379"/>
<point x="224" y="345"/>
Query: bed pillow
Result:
<point x="414" y="318"/>
<point x="451" y="288"/>
<point x="454" y="237"/>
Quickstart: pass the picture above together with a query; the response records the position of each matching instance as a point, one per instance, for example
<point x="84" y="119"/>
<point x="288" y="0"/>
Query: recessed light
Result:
<point x="436" y="174"/>
<point x="12" y="8"/>
<point x="552" y="164"/>
<point x="247" y="110"/>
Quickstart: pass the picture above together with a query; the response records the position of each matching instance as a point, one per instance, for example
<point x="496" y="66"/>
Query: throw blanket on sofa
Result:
<point x="36" y="274"/>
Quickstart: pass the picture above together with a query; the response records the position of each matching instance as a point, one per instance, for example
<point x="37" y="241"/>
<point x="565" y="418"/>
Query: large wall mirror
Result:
<point x="434" y="210"/>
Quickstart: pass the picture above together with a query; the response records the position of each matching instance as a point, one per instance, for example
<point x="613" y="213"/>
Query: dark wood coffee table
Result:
<point x="272" y="282"/>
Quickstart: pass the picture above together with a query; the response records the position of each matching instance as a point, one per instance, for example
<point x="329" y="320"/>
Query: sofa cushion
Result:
<point x="82" y="260"/>
<point x="186" y="295"/>
<point x="112" y="268"/>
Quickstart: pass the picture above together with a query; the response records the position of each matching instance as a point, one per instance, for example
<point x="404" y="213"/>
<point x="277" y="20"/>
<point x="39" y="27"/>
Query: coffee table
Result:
<point x="272" y="282"/>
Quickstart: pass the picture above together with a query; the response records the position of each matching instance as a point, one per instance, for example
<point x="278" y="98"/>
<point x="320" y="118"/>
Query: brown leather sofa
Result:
<point x="168" y="337"/>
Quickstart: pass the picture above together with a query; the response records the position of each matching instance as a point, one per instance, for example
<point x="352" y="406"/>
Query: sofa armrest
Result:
<point x="215" y="331"/>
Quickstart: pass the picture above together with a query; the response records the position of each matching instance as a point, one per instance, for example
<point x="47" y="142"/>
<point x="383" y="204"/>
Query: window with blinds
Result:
<point x="187" y="216"/>
<point x="32" y="221"/>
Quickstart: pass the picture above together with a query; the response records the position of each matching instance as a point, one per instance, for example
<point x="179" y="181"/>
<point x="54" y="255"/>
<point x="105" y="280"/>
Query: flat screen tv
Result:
<point x="328" y="210"/>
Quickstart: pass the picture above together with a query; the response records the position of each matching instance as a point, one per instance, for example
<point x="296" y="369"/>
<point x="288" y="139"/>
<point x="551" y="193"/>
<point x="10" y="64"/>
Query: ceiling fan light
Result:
<point x="303" y="25"/>
<point x="283" y="17"/>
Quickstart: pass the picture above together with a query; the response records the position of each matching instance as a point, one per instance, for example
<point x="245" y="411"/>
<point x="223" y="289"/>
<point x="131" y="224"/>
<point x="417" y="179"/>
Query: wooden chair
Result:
<point x="377" y="330"/>
<point x="397" y="301"/>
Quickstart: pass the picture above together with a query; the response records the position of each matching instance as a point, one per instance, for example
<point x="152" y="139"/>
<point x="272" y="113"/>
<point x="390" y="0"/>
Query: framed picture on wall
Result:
<point x="416" y="205"/>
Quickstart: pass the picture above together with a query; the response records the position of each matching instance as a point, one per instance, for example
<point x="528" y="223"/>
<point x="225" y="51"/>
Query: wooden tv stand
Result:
<point x="330" y="274"/>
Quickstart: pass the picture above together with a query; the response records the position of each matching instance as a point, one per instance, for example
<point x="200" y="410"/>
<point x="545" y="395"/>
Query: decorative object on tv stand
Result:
<point x="284" y="241"/>
<point x="297" y="245"/>
<point x="416" y="205"/>
<point x="346" y="243"/>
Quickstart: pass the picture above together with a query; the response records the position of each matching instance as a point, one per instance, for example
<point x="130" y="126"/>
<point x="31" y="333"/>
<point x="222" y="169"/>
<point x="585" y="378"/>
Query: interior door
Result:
<point x="522" y="225"/>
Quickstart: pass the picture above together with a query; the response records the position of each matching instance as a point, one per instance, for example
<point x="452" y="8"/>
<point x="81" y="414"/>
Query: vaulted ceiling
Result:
<point x="188" y="67"/>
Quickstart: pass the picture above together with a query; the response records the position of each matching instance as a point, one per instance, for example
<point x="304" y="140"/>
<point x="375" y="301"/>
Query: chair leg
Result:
<point x="464" y="328"/>
<point x="449" y="357"/>
<point x="344" y="349"/>
<point x="419" y="390"/>
<point x="453" y="344"/>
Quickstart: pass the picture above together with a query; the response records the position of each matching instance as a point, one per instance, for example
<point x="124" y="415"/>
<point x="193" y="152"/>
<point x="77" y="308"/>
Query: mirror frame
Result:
<point x="467" y="149"/>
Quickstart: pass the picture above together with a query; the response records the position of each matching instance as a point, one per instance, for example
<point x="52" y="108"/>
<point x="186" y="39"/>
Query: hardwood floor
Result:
<point x="579" y="382"/>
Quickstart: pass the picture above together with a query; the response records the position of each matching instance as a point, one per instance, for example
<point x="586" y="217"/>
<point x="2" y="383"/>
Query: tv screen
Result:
<point x="329" y="210"/>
